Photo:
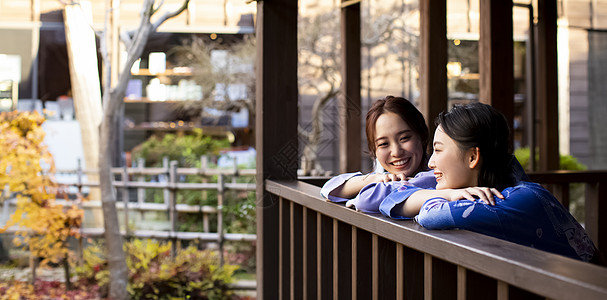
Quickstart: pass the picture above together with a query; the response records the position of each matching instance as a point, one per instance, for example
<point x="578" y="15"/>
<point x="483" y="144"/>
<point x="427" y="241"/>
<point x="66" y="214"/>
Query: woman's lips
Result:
<point x="400" y="163"/>
<point x="438" y="176"/>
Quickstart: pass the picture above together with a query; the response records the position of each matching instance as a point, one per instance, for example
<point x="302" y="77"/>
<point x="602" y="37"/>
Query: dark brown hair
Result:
<point x="406" y="111"/>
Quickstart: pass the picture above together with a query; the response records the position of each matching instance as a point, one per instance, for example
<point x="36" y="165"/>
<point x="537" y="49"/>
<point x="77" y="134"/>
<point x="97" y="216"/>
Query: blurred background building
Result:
<point x="34" y="71"/>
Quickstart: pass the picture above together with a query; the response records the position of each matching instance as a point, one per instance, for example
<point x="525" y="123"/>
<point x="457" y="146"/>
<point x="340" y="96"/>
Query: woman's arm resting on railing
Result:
<point x="528" y="215"/>
<point x="366" y="199"/>
<point x="396" y="207"/>
<point x="347" y="186"/>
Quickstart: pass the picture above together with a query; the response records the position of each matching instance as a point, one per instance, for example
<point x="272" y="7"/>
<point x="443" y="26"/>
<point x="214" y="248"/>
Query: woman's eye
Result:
<point x="405" y="138"/>
<point x="382" y="145"/>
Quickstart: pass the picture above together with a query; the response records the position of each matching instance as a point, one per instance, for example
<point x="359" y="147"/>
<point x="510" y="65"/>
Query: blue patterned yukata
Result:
<point x="370" y="196"/>
<point x="528" y="215"/>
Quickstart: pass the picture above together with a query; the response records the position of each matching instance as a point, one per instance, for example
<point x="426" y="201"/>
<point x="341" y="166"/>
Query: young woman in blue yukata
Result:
<point x="472" y="161"/>
<point x="397" y="137"/>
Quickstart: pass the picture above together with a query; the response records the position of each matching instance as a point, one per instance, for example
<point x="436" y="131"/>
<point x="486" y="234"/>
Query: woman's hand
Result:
<point x="390" y="177"/>
<point x="484" y="194"/>
<point x="352" y="186"/>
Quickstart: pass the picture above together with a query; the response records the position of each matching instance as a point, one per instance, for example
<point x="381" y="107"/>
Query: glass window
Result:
<point x="20" y="45"/>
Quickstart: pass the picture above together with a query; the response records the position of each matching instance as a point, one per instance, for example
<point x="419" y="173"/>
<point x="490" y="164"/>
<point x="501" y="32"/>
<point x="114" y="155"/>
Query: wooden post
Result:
<point x="220" y="198"/>
<point x="349" y="99"/>
<point x="433" y="60"/>
<point x="595" y="208"/>
<point x="79" y="178"/>
<point x="276" y="127"/>
<point x="80" y="247"/>
<point x="165" y="191"/>
<point x="496" y="57"/>
<point x="173" y="206"/>
<point x="204" y="163"/>
<point x="125" y="199"/>
<point x="141" y="191"/>
<point x="33" y="266"/>
<point x="547" y="86"/>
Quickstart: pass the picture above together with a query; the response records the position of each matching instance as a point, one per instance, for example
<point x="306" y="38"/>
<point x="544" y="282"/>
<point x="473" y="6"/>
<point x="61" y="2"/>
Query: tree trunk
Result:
<point x="113" y="96"/>
<point x="82" y="52"/>
<point x="66" y="269"/>
<point x="115" y="253"/>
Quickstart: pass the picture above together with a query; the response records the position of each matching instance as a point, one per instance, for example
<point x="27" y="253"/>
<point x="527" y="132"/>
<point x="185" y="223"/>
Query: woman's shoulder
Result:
<point x="526" y="190"/>
<point x="424" y="179"/>
<point x="527" y="186"/>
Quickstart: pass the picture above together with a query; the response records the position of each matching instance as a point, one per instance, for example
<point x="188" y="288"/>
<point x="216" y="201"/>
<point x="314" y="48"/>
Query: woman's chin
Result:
<point x="404" y="171"/>
<point x="441" y="185"/>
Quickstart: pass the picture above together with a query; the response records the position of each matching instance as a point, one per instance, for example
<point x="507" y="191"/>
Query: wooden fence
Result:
<point x="327" y="251"/>
<point x="127" y="179"/>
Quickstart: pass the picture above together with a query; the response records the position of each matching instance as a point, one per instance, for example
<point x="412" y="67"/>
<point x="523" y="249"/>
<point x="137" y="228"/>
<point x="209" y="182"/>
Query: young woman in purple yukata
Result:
<point x="472" y="149"/>
<point x="397" y="137"/>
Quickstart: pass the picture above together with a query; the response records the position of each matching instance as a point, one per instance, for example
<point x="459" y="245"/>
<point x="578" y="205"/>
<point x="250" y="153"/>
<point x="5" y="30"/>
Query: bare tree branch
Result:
<point x="125" y="37"/>
<point x="169" y="15"/>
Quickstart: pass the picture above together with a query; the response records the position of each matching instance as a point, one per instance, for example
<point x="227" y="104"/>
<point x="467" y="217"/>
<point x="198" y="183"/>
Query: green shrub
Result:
<point x="567" y="162"/>
<point x="153" y="274"/>
<point x="186" y="149"/>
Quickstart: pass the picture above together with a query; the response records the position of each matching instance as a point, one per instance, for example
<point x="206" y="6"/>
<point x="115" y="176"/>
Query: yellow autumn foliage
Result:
<point x="26" y="168"/>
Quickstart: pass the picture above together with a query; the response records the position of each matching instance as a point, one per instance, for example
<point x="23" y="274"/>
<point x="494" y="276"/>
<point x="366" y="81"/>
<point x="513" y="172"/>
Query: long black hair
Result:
<point x="480" y="125"/>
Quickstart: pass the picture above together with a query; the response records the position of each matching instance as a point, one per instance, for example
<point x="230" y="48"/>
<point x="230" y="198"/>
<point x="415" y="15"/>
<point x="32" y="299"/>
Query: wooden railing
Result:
<point x="327" y="251"/>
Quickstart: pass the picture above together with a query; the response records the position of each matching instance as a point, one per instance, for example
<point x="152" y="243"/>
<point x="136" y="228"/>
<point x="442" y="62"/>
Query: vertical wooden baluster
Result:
<point x="596" y="226"/>
<point x="375" y="266"/>
<point x="502" y="290"/>
<point x="291" y="251"/>
<point x="354" y="262"/>
<point x="335" y="261"/>
<point x="280" y="247"/>
<point x="318" y="255"/>
<point x="427" y="276"/>
<point x="461" y="283"/>
<point x="400" y="261"/>
<point x="305" y="252"/>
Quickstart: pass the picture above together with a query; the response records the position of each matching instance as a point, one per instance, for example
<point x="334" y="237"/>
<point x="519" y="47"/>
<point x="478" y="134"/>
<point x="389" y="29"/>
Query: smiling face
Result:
<point x="397" y="147"/>
<point x="452" y="167"/>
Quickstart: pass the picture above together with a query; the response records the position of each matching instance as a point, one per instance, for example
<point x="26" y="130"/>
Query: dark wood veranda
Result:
<point x="312" y="249"/>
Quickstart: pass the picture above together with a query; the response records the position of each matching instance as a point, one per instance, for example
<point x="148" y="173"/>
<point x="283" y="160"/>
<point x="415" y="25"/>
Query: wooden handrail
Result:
<point x="513" y="265"/>
<point x="564" y="176"/>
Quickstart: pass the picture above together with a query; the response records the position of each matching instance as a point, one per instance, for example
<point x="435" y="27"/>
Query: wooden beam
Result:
<point x="433" y="60"/>
<point x="495" y="56"/>
<point x="547" y="86"/>
<point x="276" y="126"/>
<point x="349" y="99"/>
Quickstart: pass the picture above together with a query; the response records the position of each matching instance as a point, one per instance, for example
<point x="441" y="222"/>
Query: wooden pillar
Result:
<point x="495" y="56"/>
<point x="433" y="60"/>
<point x="349" y="99"/>
<point x="276" y="127"/>
<point x="547" y="86"/>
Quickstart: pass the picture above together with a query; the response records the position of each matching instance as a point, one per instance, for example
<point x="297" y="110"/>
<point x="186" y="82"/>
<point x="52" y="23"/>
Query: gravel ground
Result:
<point x="45" y="274"/>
